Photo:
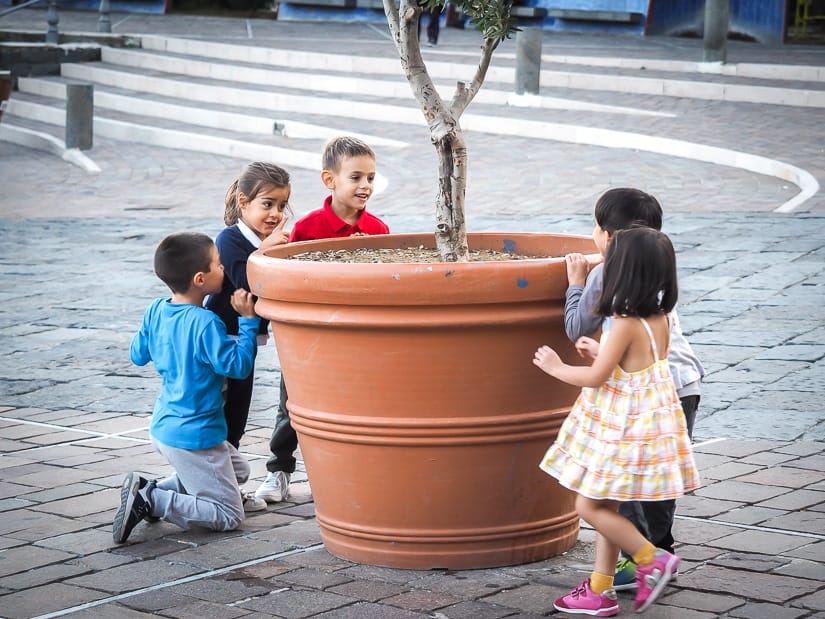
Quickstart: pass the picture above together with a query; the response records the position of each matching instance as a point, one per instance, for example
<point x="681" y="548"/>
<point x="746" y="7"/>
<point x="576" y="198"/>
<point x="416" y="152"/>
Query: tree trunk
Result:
<point x="442" y="119"/>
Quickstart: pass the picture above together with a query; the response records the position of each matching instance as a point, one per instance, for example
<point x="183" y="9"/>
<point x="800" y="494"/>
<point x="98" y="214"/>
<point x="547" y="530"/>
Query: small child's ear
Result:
<point x="328" y="178"/>
<point x="198" y="279"/>
<point x="243" y="200"/>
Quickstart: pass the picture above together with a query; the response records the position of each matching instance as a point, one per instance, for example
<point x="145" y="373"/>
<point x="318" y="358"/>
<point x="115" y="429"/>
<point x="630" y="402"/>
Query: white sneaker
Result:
<point x="275" y="488"/>
<point x="251" y="503"/>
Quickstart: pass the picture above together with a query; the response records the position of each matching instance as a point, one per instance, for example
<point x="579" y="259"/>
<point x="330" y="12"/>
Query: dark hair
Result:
<point x="639" y="276"/>
<point x="342" y="147"/>
<point x="623" y="207"/>
<point x="254" y="178"/>
<point x="179" y="256"/>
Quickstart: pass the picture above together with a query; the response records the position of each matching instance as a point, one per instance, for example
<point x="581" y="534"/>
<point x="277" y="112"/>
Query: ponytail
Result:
<point x="232" y="212"/>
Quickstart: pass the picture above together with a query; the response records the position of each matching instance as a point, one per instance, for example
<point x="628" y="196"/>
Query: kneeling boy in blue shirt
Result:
<point x="192" y="353"/>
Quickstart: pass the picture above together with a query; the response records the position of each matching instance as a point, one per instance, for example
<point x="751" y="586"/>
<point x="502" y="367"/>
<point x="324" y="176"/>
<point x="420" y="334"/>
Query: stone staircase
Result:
<point x="275" y="104"/>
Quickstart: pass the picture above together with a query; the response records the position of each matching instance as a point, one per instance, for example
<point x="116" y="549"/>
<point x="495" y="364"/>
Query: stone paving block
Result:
<point x="39" y="576"/>
<point x="367" y="610"/>
<point x="29" y="525"/>
<point x="765" y="541"/>
<point x="367" y="590"/>
<point x="285" y="529"/>
<point x="749" y="561"/>
<point x="294" y="604"/>
<point x="803" y="569"/>
<point x="105" y="499"/>
<point x="530" y="598"/>
<point x="815" y="601"/>
<point x="61" y="492"/>
<point x="114" y="610"/>
<point x="706" y="460"/>
<point x="421" y="600"/>
<point x="8" y="489"/>
<point x="704" y="507"/>
<point x="750" y="514"/>
<point x="8" y="461"/>
<point x="740" y="448"/>
<point x="225" y="589"/>
<point x="222" y="553"/>
<point x="788" y="476"/>
<point x="806" y="520"/>
<point x="734" y="490"/>
<point x="767" y="611"/>
<point x="796" y="499"/>
<point x="476" y="610"/>
<point x="697" y="600"/>
<point x="79" y="543"/>
<point x="131" y="577"/>
<point x="769" y="458"/>
<point x="756" y="587"/>
<point x="470" y="584"/>
<point x="700" y="532"/>
<point x="45" y="599"/>
<point x="813" y="463"/>
<point x="199" y="609"/>
<point x="728" y="470"/>
<point x="313" y="579"/>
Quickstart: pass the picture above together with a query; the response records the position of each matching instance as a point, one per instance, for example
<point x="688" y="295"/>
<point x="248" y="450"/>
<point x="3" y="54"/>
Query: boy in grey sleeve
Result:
<point x="618" y="209"/>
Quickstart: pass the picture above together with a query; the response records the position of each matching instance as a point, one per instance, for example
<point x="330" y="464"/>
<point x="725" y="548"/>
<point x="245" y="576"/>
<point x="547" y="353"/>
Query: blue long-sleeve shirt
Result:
<point x="192" y="353"/>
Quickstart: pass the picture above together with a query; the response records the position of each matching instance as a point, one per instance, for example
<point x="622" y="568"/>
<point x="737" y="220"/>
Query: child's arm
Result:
<point x="580" y="301"/>
<point x="603" y="365"/>
<point x="139" y="348"/>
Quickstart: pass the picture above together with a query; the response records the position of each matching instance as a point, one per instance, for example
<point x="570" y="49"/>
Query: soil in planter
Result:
<point x="407" y="255"/>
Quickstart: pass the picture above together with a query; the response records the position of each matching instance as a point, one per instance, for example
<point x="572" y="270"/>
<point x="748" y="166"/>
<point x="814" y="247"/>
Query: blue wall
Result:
<point x="119" y="6"/>
<point x="763" y="20"/>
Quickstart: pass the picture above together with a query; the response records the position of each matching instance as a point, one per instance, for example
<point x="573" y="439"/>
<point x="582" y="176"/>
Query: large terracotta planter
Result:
<point x="420" y="415"/>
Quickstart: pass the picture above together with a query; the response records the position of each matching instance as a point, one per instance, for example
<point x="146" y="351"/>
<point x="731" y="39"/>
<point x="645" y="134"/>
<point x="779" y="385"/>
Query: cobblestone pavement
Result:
<point x="75" y="258"/>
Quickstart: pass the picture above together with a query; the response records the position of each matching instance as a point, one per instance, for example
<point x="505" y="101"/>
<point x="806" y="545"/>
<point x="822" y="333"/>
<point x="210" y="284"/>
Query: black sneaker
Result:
<point x="134" y="507"/>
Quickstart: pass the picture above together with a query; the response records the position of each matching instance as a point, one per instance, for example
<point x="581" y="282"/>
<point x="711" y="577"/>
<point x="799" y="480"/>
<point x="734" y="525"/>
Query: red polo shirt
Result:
<point x="323" y="223"/>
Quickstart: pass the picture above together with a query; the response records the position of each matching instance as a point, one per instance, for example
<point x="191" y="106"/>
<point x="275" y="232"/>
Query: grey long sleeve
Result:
<point x="579" y="303"/>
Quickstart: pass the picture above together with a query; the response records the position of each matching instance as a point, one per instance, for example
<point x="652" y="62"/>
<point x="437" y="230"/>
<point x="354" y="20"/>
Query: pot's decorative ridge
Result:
<point x="420" y="416"/>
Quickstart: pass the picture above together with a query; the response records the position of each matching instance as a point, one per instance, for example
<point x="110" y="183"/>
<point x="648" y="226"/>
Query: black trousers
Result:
<point x="284" y="442"/>
<point x="432" y="25"/>
<point x="654" y="519"/>
<point x="236" y="400"/>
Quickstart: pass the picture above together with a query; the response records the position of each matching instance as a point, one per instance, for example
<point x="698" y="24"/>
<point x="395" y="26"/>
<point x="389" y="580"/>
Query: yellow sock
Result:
<point x="644" y="556"/>
<point x="599" y="583"/>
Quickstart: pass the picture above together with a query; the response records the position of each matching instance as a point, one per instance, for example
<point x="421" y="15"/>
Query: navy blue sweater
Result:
<point x="234" y="249"/>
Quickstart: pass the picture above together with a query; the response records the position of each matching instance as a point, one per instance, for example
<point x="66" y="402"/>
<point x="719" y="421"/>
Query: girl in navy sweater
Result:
<point x="257" y="205"/>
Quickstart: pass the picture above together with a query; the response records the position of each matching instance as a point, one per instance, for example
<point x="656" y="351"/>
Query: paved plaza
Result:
<point x="76" y="262"/>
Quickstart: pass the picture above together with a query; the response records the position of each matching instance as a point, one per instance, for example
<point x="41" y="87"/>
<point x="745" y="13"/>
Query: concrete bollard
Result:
<point x="79" y="115"/>
<point x="715" y="40"/>
<point x="528" y="60"/>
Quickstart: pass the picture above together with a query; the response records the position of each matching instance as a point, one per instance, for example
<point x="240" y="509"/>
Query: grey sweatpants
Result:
<point x="204" y="490"/>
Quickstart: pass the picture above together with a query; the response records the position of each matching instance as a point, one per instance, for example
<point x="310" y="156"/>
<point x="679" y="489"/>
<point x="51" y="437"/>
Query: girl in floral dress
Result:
<point x="625" y="437"/>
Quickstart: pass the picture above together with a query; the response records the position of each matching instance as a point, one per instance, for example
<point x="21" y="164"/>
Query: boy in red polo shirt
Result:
<point x="349" y="174"/>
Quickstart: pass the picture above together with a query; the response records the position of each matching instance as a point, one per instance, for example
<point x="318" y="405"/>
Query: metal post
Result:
<point x="52" y="19"/>
<point x="528" y="60"/>
<point x="104" y="23"/>
<point x="717" y="15"/>
<point x="79" y="115"/>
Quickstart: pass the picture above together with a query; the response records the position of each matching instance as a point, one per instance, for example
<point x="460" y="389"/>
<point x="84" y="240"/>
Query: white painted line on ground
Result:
<point x="754" y="527"/>
<point x="45" y="142"/>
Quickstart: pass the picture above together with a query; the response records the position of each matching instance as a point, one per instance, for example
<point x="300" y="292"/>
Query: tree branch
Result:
<point x="464" y="94"/>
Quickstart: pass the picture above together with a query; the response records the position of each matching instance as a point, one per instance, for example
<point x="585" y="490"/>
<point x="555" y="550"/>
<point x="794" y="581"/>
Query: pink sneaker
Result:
<point x="582" y="601"/>
<point x="652" y="579"/>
